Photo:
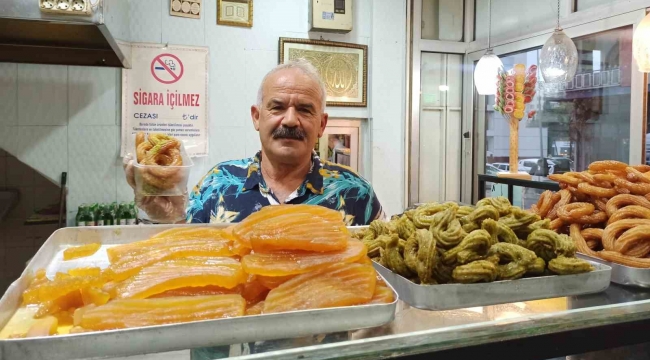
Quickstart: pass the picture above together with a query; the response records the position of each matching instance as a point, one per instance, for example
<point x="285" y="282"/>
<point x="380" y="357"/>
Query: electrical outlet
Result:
<point x="66" y="7"/>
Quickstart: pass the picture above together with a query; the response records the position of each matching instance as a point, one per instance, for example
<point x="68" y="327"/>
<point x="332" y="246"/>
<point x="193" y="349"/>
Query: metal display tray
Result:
<point x="459" y="296"/>
<point x="622" y="274"/>
<point x="162" y="338"/>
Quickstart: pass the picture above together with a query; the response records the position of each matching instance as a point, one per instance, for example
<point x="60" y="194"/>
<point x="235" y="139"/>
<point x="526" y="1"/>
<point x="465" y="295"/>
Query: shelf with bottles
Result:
<point x="106" y="214"/>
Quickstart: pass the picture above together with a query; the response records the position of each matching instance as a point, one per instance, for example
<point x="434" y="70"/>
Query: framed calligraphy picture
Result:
<point x="235" y="12"/>
<point x="342" y="66"/>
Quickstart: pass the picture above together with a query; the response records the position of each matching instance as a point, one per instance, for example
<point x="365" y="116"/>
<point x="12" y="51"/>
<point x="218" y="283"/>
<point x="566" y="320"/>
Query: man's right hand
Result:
<point x="160" y="209"/>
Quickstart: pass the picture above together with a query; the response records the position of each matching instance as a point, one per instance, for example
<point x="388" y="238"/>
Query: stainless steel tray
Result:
<point x="164" y="337"/>
<point x="459" y="296"/>
<point x="624" y="275"/>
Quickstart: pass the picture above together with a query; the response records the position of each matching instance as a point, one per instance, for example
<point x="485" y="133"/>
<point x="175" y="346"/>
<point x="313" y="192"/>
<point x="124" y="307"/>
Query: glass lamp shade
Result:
<point x="485" y="74"/>
<point x="641" y="44"/>
<point x="559" y="58"/>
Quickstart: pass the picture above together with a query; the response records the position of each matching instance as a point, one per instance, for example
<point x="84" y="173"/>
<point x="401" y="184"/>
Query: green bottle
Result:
<point x="94" y="211"/>
<point x="80" y="214"/>
<point x="87" y="218"/>
<point x="99" y="216"/>
<point x="133" y="213"/>
<point x="123" y="214"/>
<point x="109" y="217"/>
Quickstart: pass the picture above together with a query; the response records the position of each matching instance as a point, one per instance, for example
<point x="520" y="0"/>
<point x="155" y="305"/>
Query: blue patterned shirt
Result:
<point x="232" y="190"/>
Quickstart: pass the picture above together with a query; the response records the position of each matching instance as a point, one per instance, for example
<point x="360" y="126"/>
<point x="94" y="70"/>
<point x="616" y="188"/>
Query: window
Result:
<point x="581" y="121"/>
<point x="442" y="20"/>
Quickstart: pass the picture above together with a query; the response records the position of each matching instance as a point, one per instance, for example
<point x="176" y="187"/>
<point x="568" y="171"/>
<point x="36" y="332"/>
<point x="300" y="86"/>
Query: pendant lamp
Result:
<point x="641" y="44"/>
<point x="487" y="69"/>
<point x="559" y="58"/>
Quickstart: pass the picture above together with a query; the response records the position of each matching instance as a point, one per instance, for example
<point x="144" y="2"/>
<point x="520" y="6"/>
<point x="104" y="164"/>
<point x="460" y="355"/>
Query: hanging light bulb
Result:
<point x="559" y="58"/>
<point x="641" y="44"/>
<point x="486" y="72"/>
<point x="487" y="69"/>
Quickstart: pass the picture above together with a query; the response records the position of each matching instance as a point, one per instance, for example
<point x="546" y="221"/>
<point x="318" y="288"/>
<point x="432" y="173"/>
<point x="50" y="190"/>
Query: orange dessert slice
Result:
<point x="285" y="263"/>
<point x="199" y="291"/>
<point x="129" y="265"/>
<point x="293" y="227"/>
<point x="80" y="251"/>
<point x="167" y="239"/>
<point x="271" y="282"/>
<point x="179" y="273"/>
<point x="383" y="294"/>
<point x="130" y="313"/>
<point x="337" y="285"/>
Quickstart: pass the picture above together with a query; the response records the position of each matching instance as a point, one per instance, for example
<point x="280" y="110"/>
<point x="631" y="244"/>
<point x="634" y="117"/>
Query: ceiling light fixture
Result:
<point x="558" y="61"/>
<point x="487" y="69"/>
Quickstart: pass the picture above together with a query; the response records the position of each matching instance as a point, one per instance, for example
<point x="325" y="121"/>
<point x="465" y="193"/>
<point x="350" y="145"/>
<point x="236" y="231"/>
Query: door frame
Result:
<point x="417" y="47"/>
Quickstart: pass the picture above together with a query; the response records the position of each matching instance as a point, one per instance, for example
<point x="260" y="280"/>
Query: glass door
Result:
<point x="439" y="131"/>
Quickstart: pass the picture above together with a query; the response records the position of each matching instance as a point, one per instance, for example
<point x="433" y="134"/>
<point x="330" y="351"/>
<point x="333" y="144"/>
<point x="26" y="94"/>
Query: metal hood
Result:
<point x="64" y="32"/>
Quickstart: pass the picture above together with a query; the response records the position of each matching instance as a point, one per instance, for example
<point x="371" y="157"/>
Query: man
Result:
<point x="290" y="117"/>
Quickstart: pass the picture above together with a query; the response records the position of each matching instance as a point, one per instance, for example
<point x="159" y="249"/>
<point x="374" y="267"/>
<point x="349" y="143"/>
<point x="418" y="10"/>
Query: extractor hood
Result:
<point x="64" y="32"/>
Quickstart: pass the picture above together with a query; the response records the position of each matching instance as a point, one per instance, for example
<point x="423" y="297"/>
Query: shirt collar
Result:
<point x="313" y="181"/>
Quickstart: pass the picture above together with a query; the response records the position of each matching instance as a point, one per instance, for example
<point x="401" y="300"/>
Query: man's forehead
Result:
<point x="291" y="81"/>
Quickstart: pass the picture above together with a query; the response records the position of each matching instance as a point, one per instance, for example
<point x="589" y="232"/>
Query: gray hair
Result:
<point x="303" y="65"/>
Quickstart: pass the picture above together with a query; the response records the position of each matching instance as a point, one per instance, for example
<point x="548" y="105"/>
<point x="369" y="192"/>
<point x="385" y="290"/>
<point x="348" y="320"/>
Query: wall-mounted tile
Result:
<point x="18" y="173"/>
<point x="274" y="20"/>
<point x="92" y="176"/>
<point x="3" y="171"/>
<point x="46" y="195"/>
<point x="25" y="206"/>
<point x="258" y="64"/>
<point x="146" y="20"/>
<point x="8" y="94"/>
<point x="124" y="192"/>
<point x="226" y="144"/>
<point x="252" y="141"/>
<point x="17" y="259"/>
<point x="44" y="148"/>
<point x="42" y="94"/>
<point x="15" y="233"/>
<point x="181" y="30"/>
<point x="40" y="233"/>
<point x="92" y="95"/>
<point x="201" y="167"/>
<point x="228" y="91"/>
<point x="388" y="159"/>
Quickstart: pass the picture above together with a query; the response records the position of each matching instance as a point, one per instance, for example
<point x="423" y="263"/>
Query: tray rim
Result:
<point x="601" y="268"/>
<point x="609" y="263"/>
<point x="532" y="278"/>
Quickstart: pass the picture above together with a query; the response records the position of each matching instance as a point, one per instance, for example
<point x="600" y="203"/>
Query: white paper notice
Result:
<point x="166" y="91"/>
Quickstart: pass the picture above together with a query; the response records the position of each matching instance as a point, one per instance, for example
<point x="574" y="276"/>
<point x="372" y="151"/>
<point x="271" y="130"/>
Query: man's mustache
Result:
<point x="284" y="132"/>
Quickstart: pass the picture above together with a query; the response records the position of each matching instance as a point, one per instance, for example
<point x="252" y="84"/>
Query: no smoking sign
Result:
<point x="167" y="68"/>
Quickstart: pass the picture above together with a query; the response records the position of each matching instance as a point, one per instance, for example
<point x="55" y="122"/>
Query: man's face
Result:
<point x="290" y="119"/>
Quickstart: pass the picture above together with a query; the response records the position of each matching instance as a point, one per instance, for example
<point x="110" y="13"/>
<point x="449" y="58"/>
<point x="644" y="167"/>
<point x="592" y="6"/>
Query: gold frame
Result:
<point x="364" y="86"/>
<point x="235" y="23"/>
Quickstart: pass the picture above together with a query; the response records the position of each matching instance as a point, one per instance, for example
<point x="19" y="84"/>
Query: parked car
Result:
<point x="527" y="164"/>
<point x="491" y="170"/>
<point x="502" y="166"/>
<point x="562" y="165"/>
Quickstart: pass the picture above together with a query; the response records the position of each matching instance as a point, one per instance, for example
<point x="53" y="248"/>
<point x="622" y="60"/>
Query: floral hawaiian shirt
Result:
<point x="232" y="190"/>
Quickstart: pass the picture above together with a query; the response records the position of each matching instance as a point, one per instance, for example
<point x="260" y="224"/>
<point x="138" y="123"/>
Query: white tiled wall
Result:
<point x="66" y="118"/>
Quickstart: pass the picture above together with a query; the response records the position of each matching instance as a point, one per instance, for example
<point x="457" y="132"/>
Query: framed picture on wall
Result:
<point x="342" y="66"/>
<point x="235" y="12"/>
